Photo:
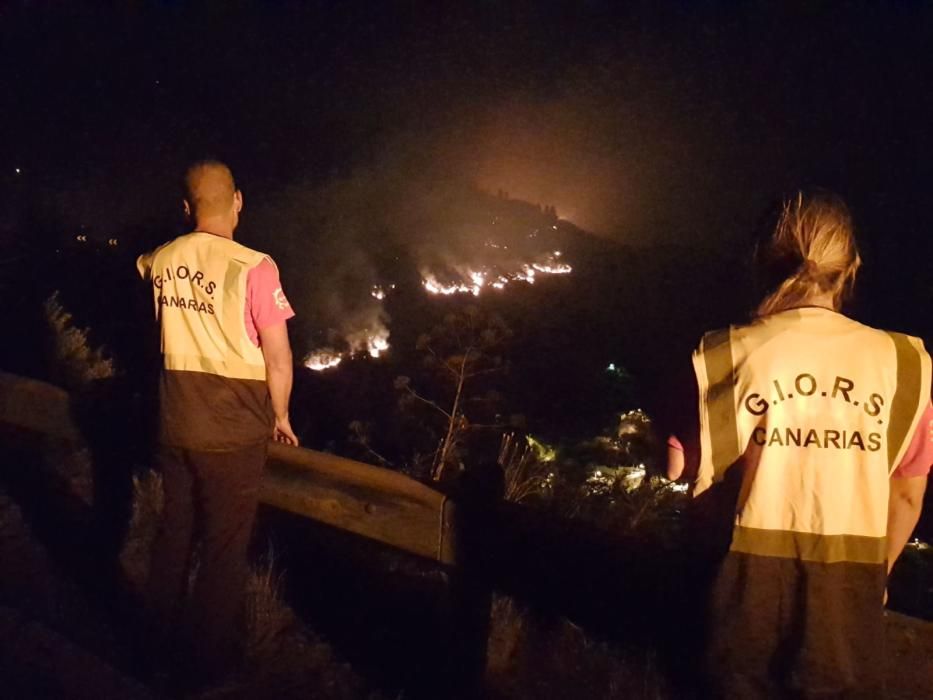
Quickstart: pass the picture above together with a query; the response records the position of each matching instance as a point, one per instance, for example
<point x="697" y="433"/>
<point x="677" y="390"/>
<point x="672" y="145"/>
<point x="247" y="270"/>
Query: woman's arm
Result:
<point x="681" y="424"/>
<point x="904" y="506"/>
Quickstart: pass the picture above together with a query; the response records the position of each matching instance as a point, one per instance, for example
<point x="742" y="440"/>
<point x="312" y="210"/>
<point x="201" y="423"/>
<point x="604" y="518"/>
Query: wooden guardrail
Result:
<point x="37" y="407"/>
<point x="370" y="501"/>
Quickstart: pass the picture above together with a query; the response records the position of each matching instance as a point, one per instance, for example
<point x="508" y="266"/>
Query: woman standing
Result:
<point x="815" y="417"/>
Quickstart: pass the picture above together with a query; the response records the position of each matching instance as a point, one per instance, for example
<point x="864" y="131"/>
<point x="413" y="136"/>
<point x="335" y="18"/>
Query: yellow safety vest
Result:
<point x="819" y="409"/>
<point x="199" y="291"/>
<point x="212" y="392"/>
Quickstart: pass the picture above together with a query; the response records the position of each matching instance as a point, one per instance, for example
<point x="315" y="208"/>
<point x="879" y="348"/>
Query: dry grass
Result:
<point x="267" y="616"/>
<point x="283" y="658"/>
<point x="506" y="635"/>
<point x="534" y="656"/>
<point x="147" y="510"/>
<point x="525" y="470"/>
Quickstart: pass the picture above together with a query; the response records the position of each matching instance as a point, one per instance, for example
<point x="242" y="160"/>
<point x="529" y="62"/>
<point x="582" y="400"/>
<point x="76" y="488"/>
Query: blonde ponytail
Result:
<point x="811" y="253"/>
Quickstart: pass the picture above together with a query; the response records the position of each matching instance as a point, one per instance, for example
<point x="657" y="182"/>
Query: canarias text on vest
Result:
<point x="805" y="387"/>
<point x="196" y="278"/>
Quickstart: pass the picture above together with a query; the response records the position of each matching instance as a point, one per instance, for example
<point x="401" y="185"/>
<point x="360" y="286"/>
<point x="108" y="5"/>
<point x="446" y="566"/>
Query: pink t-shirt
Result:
<point x="266" y="304"/>
<point x="919" y="455"/>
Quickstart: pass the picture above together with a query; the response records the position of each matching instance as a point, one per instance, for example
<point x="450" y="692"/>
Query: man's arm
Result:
<point x="904" y="506"/>
<point x="144" y="265"/>
<point x="277" y="354"/>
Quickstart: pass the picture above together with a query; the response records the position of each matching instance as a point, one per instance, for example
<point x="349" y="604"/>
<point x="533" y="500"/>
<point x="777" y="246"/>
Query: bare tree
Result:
<point x="458" y="353"/>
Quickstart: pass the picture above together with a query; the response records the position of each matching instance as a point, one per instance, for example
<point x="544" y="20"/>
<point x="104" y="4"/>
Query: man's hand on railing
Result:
<point x="283" y="432"/>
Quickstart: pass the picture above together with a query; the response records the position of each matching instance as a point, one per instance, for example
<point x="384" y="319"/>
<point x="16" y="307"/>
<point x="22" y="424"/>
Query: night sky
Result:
<point x="367" y="135"/>
<point x="643" y="124"/>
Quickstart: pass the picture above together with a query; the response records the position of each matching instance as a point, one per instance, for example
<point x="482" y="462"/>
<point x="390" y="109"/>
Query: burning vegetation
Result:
<point x="364" y="342"/>
<point x="461" y="279"/>
<point x="485" y="244"/>
<point x="465" y="280"/>
<point x="403" y="227"/>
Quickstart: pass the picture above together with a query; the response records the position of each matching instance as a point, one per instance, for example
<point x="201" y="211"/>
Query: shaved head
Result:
<point x="209" y="189"/>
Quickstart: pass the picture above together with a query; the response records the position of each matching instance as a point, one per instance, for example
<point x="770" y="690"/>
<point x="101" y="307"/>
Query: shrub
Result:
<point x="73" y="362"/>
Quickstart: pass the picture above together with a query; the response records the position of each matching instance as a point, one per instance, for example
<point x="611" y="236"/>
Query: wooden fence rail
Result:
<point x="370" y="501"/>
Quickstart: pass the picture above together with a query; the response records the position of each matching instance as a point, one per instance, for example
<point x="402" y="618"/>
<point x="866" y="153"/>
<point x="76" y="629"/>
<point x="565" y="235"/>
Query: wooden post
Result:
<point x="479" y="492"/>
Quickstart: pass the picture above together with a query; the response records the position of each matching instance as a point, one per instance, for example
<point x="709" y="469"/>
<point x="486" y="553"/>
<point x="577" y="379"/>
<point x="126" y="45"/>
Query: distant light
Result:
<point x="112" y="241"/>
<point x="554" y="227"/>
<point x="18" y="171"/>
<point x="611" y="367"/>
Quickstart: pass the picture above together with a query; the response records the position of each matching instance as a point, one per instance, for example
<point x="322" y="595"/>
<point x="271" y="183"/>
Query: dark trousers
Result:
<point x="210" y="506"/>
<point x="788" y="628"/>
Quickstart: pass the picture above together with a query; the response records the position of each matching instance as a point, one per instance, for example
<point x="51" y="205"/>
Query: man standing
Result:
<point x="224" y="391"/>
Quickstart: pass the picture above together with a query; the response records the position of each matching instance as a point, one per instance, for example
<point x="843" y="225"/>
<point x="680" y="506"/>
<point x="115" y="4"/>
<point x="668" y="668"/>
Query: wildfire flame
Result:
<point x="376" y="346"/>
<point x="380" y="292"/>
<point x="373" y="339"/>
<point x="473" y="281"/>
<point x="363" y="342"/>
<point x="319" y="360"/>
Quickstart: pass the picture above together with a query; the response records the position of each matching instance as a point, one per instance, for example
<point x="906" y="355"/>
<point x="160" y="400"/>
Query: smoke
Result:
<point x="473" y="196"/>
<point x="412" y="215"/>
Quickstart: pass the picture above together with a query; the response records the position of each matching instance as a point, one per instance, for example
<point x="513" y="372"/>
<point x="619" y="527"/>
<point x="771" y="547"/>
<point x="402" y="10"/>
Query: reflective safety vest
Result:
<point x="213" y="392"/>
<point x="819" y="410"/>
<point x="199" y="291"/>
